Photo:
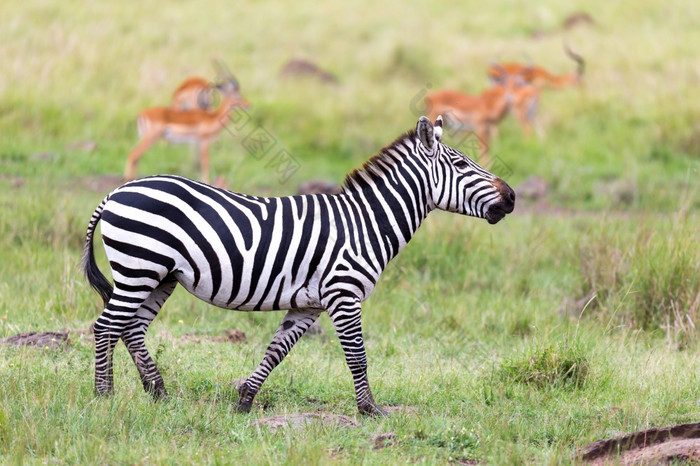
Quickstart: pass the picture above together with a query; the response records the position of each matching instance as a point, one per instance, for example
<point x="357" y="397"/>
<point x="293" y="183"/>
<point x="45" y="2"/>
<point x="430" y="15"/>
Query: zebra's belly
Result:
<point x="249" y="296"/>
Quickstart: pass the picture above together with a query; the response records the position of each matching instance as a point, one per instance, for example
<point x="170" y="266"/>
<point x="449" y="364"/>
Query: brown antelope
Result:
<point x="195" y="126"/>
<point x="197" y="93"/>
<point x="193" y="93"/>
<point x="482" y="113"/>
<point x="538" y="76"/>
<point x="526" y="101"/>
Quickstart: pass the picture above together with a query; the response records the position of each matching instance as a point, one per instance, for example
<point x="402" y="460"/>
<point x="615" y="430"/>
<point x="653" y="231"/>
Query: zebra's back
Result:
<point x="231" y="250"/>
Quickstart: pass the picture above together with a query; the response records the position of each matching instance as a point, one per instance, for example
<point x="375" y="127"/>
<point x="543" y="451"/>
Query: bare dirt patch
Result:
<point x="306" y="68"/>
<point x="659" y="445"/>
<point x="383" y="440"/>
<point x="230" y="336"/>
<point x="101" y="184"/>
<point x="401" y="409"/>
<point x="14" y="181"/>
<point x="300" y="420"/>
<point x="53" y="340"/>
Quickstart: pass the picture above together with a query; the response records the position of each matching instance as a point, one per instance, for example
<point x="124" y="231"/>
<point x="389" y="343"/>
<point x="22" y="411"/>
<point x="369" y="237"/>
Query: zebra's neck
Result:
<point x="391" y="191"/>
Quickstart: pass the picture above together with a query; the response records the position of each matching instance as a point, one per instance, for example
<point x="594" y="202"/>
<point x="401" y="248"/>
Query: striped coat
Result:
<point x="304" y="254"/>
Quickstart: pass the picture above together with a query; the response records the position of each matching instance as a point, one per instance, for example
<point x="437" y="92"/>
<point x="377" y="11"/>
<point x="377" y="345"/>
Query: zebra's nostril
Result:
<point x="511" y="195"/>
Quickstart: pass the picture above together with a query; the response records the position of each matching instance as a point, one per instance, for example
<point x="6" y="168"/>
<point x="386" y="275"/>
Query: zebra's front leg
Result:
<point x="293" y="326"/>
<point x="348" y="324"/>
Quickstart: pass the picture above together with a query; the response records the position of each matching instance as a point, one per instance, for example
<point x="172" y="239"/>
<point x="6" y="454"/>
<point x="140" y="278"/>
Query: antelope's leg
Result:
<point x="144" y="144"/>
<point x="204" y="159"/>
<point x="483" y="133"/>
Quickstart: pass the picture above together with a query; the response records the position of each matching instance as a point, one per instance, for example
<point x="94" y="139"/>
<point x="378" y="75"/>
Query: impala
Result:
<point x="482" y="113"/>
<point x="198" y="93"/>
<point x="195" y="126"/>
<point x="193" y="93"/>
<point x="538" y="76"/>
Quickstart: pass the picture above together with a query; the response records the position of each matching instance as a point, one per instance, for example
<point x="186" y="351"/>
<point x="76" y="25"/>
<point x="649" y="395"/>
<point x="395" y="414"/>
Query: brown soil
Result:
<point x="101" y="184"/>
<point x="306" y="68"/>
<point x="400" y="409"/>
<point x="230" y="336"/>
<point x="659" y="445"/>
<point x="299" y="420"/>
<point x="384" y="440"/>
<point x="53" y="340"/>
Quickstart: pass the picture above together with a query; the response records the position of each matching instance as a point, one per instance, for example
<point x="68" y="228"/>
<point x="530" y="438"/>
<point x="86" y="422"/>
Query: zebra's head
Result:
<point x="458" y="184"/>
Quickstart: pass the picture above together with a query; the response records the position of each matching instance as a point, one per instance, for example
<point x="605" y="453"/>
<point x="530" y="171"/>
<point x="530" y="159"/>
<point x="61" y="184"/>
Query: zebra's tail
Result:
<point x="93" y="274"/>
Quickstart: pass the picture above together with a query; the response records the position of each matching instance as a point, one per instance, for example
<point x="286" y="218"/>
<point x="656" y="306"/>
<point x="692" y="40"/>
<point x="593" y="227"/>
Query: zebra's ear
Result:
<point x="437" y="128"/>
<point x="426" y="134"/>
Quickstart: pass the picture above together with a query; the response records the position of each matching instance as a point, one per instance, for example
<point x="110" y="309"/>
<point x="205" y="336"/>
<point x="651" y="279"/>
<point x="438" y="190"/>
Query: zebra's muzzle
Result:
<point x="504" y="206"/>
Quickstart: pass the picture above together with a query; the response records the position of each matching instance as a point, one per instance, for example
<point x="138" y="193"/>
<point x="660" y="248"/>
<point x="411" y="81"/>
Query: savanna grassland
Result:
<point x="474" y="329"/>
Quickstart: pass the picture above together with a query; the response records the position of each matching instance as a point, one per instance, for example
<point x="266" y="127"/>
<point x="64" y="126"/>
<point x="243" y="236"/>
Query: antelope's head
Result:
<point x="511" y="84"/>
<point x="228" y="85"/>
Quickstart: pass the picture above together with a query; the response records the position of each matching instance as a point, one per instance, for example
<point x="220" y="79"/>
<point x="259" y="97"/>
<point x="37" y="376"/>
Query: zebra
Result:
<point x="305" y="254"/>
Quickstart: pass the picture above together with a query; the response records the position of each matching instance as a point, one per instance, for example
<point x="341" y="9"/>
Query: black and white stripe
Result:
<point x="306" y="254"/>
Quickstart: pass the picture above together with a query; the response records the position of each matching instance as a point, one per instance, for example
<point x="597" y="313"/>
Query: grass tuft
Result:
<point x="649" y="280"/>
<point x="549" y="365"/>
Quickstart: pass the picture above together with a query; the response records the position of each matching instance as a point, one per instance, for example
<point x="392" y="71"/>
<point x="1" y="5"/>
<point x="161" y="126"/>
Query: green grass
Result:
<point x="467" y="326"/>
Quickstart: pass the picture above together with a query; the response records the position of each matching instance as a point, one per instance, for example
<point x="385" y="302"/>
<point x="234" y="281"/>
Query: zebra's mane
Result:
<point x="371" y="168"/>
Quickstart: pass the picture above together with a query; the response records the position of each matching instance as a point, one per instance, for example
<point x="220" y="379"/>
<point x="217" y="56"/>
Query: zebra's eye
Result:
<point x="461" y="164"/>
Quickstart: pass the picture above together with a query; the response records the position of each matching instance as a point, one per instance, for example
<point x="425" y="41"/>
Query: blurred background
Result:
<point x="75" y="76"/>
<point x="573" y="319"/>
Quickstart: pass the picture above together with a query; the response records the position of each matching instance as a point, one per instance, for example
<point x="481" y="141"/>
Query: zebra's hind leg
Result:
<point x="293" y="326"/>
<point x="134" y="336"/>
<point x="109" y="327"/>
<point x="348" y="325"/>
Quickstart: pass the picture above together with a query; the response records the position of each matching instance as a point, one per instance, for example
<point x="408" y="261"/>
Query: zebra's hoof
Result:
<point x="244" y="407"/>
<point x="245" y="400"/>
<point x="372" y="409"/>
<point x="104" y="392"/>
<point x="159" y="395"/>
<point x="156" y="390"/>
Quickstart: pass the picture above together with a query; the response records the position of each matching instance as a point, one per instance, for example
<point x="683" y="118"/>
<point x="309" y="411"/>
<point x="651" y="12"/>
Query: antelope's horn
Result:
<point x="225" y="73"/>
<point x="577" y="58"/>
